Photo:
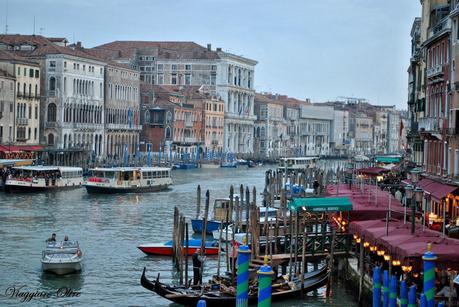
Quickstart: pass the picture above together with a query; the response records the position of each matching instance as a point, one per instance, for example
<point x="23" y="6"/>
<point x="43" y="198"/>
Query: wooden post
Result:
<point x="296" y="241"/>
<point x="219" y="246"/>
<point x="204" y="229"/>
<point x="303" y="259"/>
<point x="290" y="245"/>
<point x="198" y="201"/>
<point x="247" y="205"/>
<point x="187" y="244"/>
<point x="331" y="263"/>
<point x="362" y="272"/>
<point x="174" y="236"/>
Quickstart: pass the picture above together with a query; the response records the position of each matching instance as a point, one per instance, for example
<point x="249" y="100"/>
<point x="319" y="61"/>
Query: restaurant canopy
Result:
<point x="322" y="204"/>
<point x="388" y="159"/>
<point x="372" y="171"/>
<point x="403" y="245"/>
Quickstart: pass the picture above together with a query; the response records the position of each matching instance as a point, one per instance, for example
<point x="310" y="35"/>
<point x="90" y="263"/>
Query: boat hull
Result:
<point x="33" y="188"/>
<point x="61" y="268"/>
<point x="212" y="226"/>
<point x="92" y="189"/>
<point x="167" y="250"/>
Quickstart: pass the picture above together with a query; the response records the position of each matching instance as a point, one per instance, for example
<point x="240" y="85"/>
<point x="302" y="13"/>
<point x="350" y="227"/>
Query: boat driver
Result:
<point x="52" y="239"/>
<point x="197" y="264"/>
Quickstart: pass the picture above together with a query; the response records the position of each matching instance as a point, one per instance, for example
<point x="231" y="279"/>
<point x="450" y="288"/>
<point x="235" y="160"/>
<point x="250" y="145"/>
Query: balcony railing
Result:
<point x="452" y="131"/>
<point x="22" y="121"/>
<point x="428" y="124"/>
<point x="434" y="71"/>
<point x="214" y="142"/>
<point x="50" y="125"/>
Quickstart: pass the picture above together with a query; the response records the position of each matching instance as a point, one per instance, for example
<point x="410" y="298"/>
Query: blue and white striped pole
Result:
<point x="423" y="300"/>
<point x="242" y="290"/>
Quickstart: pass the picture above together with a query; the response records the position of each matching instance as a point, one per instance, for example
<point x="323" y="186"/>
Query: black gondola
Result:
<point x="215" y="297"/>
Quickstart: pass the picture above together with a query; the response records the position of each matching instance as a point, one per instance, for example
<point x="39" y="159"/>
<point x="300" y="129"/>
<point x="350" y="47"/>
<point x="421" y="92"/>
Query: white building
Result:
<point x="340" y="133"/>
<point x="235" y="86"/>
<point x="315" y="129"/>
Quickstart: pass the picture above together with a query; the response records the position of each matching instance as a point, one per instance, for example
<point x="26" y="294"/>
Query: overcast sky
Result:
<point x="318" y="49"/>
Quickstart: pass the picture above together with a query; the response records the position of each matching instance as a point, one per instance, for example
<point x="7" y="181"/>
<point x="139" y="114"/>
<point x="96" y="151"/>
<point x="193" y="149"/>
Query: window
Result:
<point x="19" y="71"/>
<point x="52" y="84"/>
<point x="160" y="79"/>
<point x="65" y="64"/>
<point x="147" y="116"/>
<point x="213" y="78"/>
<point x="25" y="70"/>
<point x="37" y="73"/>
<point x="35" y="134"/>
<point x="187" y="79"/>
<point x="213" y="67"/>
<point x="51" y="113"/>
<point x="52" y="64"/>
<point x="174" y="66"/>
<point x="174" y="79"/>
<point x="36" y="113"/>
<point x="101" y="70"/>
<point x="84" y="67"/>
<point x="160" y="67"/>
<point x="74" y="65"/>
<point x="187" y="67"/>
<point x="50" y="139"/>
<point x="31" y="73"/>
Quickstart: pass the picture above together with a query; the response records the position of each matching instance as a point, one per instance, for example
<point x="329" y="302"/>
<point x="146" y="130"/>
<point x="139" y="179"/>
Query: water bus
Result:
<point x="297" y="163"/>
<point x="128" y="180"/>
<point x="43" y="178"/>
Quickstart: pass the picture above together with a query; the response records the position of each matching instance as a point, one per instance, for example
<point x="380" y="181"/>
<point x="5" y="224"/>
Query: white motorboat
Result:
<point x="128" y="180"/>
<point x="43" y="178"/>
<point x="62" y="258"/>
<point x="297" y="163"/>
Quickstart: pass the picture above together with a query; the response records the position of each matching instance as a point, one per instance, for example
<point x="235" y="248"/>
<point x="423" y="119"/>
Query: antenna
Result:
<point x="6" y="19"/>
<point x="33" y="25"/>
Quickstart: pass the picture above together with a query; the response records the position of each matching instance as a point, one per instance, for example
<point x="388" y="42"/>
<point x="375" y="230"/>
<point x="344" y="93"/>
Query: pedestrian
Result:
<point x="52" y="239"/>
<point x="197" y="265"/>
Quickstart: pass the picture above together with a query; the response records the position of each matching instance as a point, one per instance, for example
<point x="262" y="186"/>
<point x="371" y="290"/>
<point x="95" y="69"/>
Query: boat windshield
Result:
<point x="103" y="174"/>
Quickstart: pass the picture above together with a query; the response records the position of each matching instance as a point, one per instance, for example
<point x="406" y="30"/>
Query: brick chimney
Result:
<point x="219" y="49"/>
<point x="209" y="47"/>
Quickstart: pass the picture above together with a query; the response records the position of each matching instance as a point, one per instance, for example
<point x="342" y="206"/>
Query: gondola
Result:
<point x="214" y="296"/>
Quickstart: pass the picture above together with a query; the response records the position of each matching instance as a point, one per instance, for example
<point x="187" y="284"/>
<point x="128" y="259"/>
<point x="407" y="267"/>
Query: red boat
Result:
<point x="165" y="249"/>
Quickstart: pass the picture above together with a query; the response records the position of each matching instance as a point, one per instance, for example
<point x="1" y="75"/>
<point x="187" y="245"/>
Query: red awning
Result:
<point x="423" y="183"/>
<point x="31" y="148"/>
<point x="438" y="191"/>
<point x="372" y="171"/>
<point x="8" y="148"/>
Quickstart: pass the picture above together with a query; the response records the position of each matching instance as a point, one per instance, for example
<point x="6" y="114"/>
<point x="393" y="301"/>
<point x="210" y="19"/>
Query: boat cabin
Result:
<point x="44" y="177"/>
<point x="297" y="163"/>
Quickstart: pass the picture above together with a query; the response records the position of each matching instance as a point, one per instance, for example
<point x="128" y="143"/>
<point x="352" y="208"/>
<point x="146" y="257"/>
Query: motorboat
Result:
<point x="297" y="163"/>
<point x="232" y="164"/>
<point x="165" y="249"/>
<point x="221" y="207"/>
<point x="128" y="180"/>
<point x="33" y="178"/>
<point x="62" y="258"/>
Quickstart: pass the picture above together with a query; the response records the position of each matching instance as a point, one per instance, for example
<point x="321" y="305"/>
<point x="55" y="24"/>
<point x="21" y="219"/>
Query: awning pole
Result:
<point x="444" y="217"/>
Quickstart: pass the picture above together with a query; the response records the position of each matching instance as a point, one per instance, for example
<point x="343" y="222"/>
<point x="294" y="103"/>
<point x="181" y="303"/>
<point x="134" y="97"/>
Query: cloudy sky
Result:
<point x="305" y="48"/>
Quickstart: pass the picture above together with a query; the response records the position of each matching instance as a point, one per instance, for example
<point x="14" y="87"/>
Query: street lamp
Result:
<point x="414" y="178"/>
<point x="418" y="192"/>
<point x="409" y="196"/>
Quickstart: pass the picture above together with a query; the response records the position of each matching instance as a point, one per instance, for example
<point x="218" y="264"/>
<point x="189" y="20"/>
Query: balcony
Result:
<point x="435" y="71"/>
<point x="452" y="131"/>
<point x="442" y="27"/>
<point x="22" y="121"/>
<point x="50" y="125"/>
<point x="188" y="124"/>
<point x="189" y="140"/>
<point x="214" y="142"/>
<point x="428" y="124"/>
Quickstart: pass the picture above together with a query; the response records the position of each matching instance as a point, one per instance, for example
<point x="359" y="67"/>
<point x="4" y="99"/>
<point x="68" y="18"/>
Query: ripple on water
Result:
<point x="109" y="229"/>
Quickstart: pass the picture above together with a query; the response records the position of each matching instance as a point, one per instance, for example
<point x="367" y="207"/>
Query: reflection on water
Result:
<point x="109" y="228"/>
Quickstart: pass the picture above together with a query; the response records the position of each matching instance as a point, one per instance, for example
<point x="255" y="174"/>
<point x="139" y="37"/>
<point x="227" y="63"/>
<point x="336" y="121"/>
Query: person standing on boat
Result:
<point x="52" y="239"/>
<point x="197" y="265"/>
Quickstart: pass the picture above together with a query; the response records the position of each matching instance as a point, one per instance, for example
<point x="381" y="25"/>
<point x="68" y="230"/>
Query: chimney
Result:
<point x="219" y="49"/>
<point x="209" y="47"/>
<point x="78" y="45"/>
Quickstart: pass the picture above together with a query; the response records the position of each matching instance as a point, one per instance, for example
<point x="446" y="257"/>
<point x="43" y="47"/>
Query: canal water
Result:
<point x="109" y="228"/>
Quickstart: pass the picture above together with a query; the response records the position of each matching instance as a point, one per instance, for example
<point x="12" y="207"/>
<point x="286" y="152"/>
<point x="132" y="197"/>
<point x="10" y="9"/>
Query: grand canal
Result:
<point x="109" y="228"/>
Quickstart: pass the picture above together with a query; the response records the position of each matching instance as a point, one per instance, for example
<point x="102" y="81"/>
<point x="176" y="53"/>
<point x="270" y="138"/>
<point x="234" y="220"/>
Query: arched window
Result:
<point x="50" y="139"/>
<point x="52" y="84"/>
<point x="51" y="112"/>
<point x="36" y="90"/>
<point x="30" y="89"/>
<point x="168" y="133"/>
<point x="65" y="140"/>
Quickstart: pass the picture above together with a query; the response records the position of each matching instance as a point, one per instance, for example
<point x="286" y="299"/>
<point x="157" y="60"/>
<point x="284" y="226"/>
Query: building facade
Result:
<point x="213" y="125"/>
<point x="27" y="100"/>
<point x="315" y="129"/>
<point x="7" y="108"/>
<point x="122" y="110"/>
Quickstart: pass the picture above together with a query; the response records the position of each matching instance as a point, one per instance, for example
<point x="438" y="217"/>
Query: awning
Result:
<point x="438" y="190"/>
<point x="31" y="148"/>
<point x="388" y="159"/>
<point x="8" y="148"/>
<point x="324" y="204"/>
<point x="372" y="171"/>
